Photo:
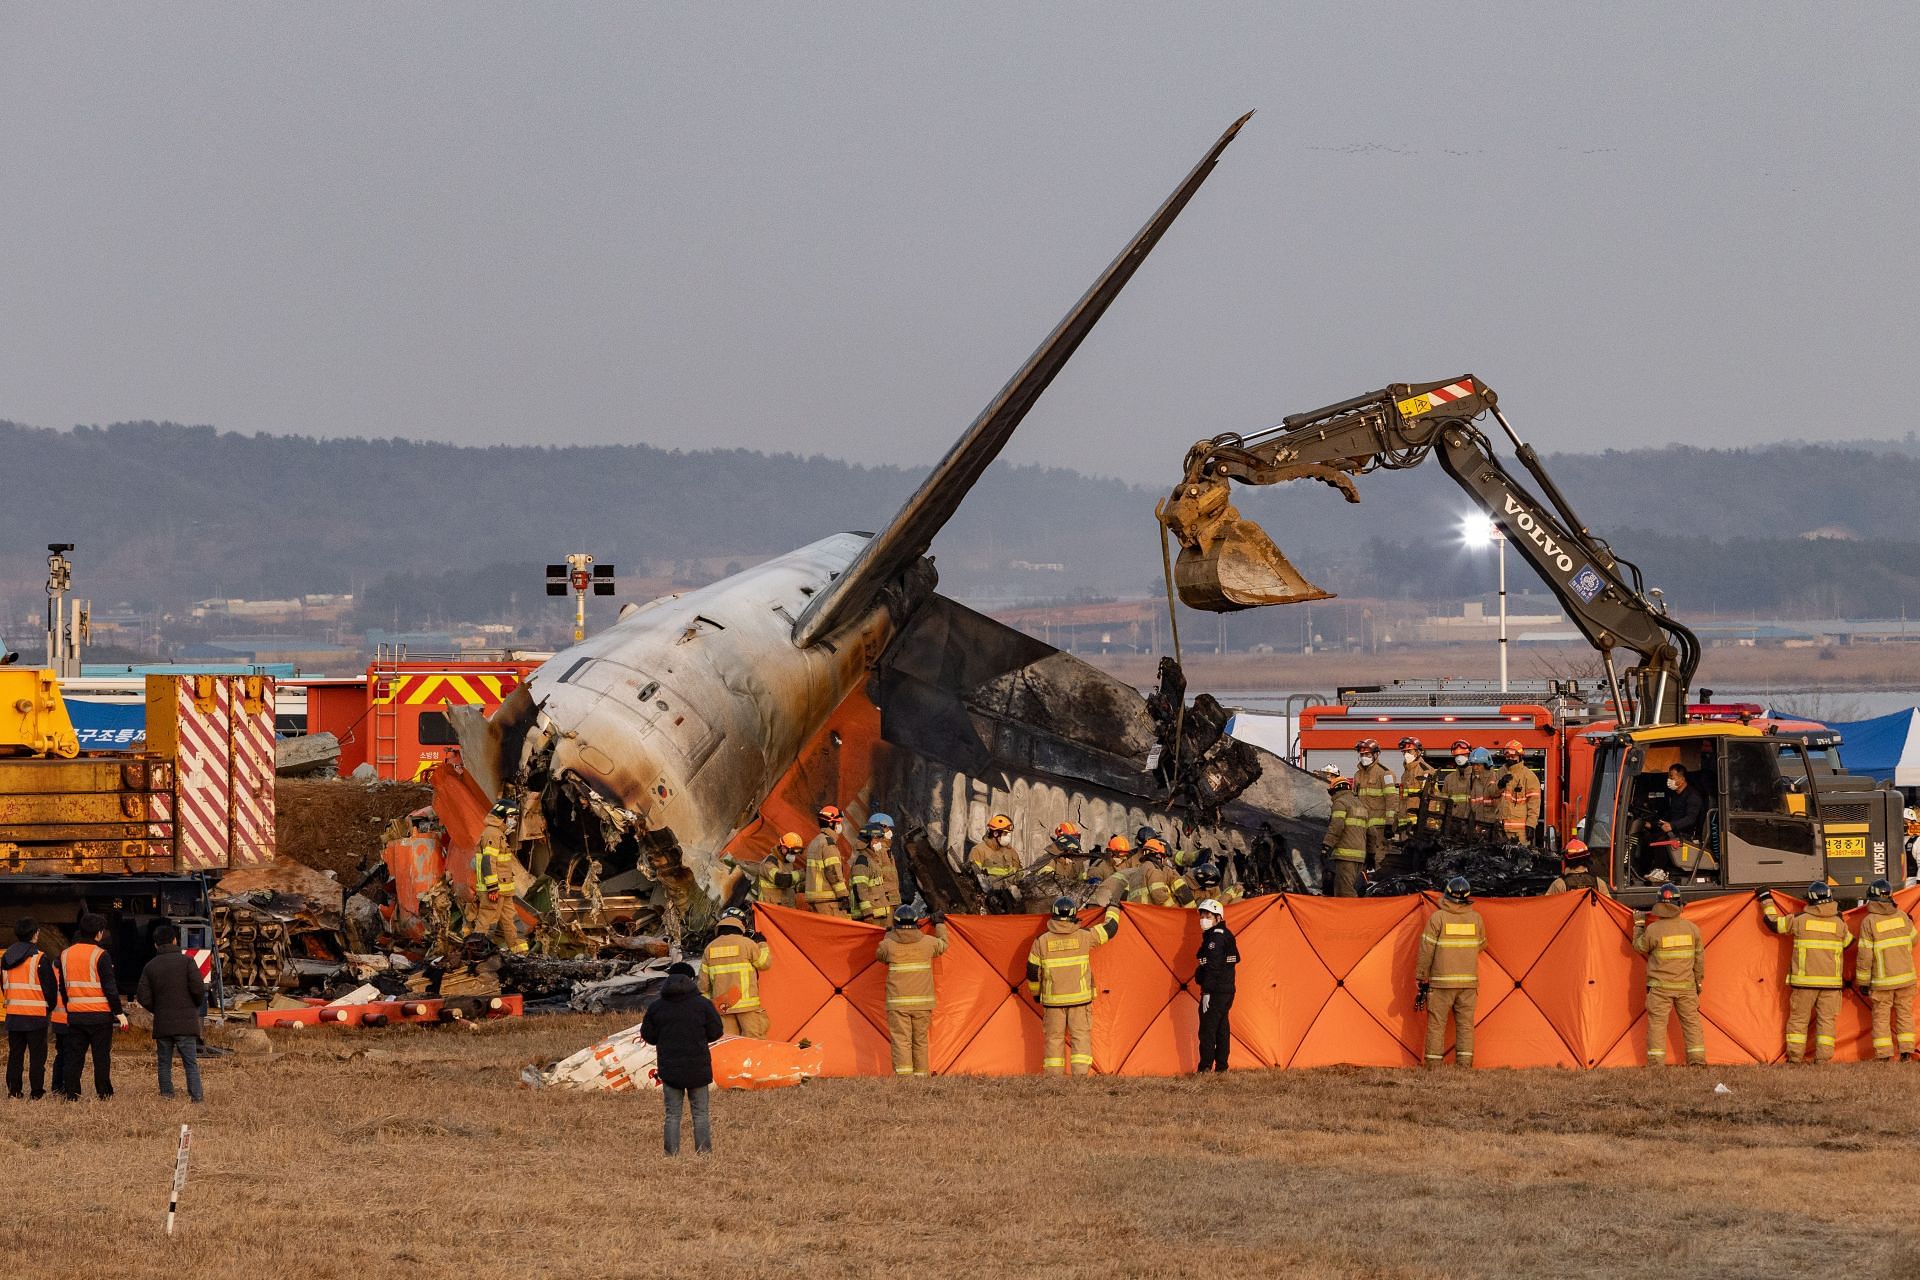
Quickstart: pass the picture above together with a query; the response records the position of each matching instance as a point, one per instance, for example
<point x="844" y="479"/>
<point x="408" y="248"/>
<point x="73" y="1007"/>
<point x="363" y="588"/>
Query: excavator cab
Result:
<point x="1753" y="821"/>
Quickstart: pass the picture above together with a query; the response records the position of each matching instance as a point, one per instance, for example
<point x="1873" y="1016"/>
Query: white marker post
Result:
<point x="179" y="1175"/>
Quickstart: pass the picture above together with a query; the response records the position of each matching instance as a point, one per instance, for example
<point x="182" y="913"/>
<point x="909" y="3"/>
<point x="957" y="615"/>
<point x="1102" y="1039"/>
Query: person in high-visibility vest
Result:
<point x="868" y="896"/>
<point x="31" y="992"/>
<point x="730" y="970"/>
<point x="1060" y="977"/>
<point x="92" y="1007"/>
<point x="909" y="955"/>
<point x="1818" y="969"/>
<point x="493" y="883"/>
<point x="995" y="859"/>
<point x="1448" y="976"/>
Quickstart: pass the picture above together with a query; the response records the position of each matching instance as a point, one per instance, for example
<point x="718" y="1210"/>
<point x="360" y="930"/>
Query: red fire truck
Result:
<point x="395" y="717"/>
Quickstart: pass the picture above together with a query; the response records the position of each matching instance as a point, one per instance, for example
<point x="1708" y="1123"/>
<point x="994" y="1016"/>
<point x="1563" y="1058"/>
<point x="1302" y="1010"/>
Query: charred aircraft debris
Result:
<point x="642" y="752"/>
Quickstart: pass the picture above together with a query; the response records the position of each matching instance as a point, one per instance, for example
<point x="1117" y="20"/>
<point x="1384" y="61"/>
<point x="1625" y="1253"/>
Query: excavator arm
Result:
<point x="1227" y="562"/>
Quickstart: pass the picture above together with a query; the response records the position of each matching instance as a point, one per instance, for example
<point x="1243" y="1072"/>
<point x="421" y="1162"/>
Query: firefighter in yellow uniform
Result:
<point x="1160" y="884"/>
<point x="1456" y="791"/>
<point x="909" y="955"/>
<point x="1346" y="840"/>
<point x="867" y="883"/>
<point x="777" y="877"/>
<point x="995" y="859"/>
<point x="1576" y="872"/>
<point x="1517" y="808"/>
<point x="1060" y="977"/>
<point x="730" y="970"/>
<point x="878" y="834"/>
<point x="826" y="884"/>
<point x="1421" y="801"/>
<point x="1449" y="972"/>
<point x="1676" y="968"/>
<point x="493" y="883"/>
<point x="1820" y="940"/>
<point x="1379" y="798"/>
<point x="1883" y="970"/>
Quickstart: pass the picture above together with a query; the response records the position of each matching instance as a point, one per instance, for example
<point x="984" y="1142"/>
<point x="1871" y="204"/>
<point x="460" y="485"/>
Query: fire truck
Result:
<point x="394" y="718"/>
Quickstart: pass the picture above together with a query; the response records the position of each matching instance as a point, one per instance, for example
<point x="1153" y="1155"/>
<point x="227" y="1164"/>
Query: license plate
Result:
<point x="1847" y="847"/>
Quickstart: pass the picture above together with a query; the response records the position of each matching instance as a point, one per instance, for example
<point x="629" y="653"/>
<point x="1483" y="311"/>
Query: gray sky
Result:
<point x="838" y="229"/>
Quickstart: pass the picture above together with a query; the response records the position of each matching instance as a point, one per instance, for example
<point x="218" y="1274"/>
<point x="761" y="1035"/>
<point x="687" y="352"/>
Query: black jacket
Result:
<point x="1219" y="957"/>
<point x="49" y="984"/>
<point x="1686" y="812"/>
<point x="680" y="1026"/>
<point x="172" y="990"/>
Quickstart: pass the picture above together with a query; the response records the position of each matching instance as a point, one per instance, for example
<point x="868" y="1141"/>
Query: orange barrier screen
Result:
<point x="1322" y="981"/>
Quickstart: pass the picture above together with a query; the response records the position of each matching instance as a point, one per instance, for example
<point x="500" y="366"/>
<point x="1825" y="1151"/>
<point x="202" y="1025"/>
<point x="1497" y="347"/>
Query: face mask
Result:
<point x="1365" y="759"/>
<point x="1207" y="922"/>
<point x="1461" y="761"/>
<point x="1410" y="756"/>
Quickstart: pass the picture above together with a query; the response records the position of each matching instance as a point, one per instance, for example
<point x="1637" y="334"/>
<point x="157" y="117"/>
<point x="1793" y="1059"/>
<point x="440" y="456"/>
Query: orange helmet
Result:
<point x="1461" y="744"/>
<point x="830" y="813"/>
<point x="1119" y="844"/>
<point x="1412" y="744"/>
<point x="1575" y="851"/>
<point x="1367" y="746"/>
<point x="1511" y="748"/>
<point x="999" y="822"/>
<point x="792" y="840"/>
<point x="1066" y="829"/>
<point x="1155" y="846"/>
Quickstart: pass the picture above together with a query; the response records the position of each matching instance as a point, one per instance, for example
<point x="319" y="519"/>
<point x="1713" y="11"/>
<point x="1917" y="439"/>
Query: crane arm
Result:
<point x="1228" y="563"/>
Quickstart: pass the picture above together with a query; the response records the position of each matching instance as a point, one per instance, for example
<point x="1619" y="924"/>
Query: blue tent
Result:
<point x="109" y="726"/>
<point x="1887" y="748"/>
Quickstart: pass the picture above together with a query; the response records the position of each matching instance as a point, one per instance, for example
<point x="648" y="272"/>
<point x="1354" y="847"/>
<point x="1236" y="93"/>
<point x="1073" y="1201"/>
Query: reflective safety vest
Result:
<point x="1518" y="801"/>
<point x="1419" y="796"/>
<point x="774" y="881"/>
<point x="1347" y="829"/>
<point x="492" y="868"/>
<point x="1885" y="957"/>
<point x="80" y="968"/>
<point x="867" y="890"/>
<point x="24" y="996"/>
<point x="1820" y="940"/>
<point x="995" y="860"/>
<point x="1060" y="965"/>
<point x="732" y="963"/>
<point x="1379" y="797"/>
<point x="1673" y="948"/>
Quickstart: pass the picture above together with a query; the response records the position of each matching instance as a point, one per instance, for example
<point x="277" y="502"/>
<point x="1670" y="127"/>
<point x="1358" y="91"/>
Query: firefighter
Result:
<point x="867" y="884"/>
<point x="1060" y="977"/>
<point x="1576" y="871"/>
<point x="1456" y="788"/>
<point x="1112" y="861"/>
<point x="730" y="970"/>
<point x="1484" y="800"/>
<point x="1160" y="884"/>
<point x="994" y="859"/>
<point x="1676" y="967"/>
<point x="1379" y="799"/>
<point x="1346" y="840"/>
<point x="881" y="845"/>
<point x="1448" y="976"/>
<point x="777" y="876"/>
<point x="1820" y="940"/>
<point x="493" y="883"/>
<point x="1208" y="882"/>
<point x="1215" y="965"/>
<point x="1421" y="803"/>
<point x="909" y="954"/>
<point x="826" y="883"/>
<point x="1518" y="806"/>
<point x="1883" y="970"/>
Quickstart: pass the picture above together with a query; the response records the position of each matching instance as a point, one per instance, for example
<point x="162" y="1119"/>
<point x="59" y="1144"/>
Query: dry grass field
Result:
<point x="412" y="1153"/>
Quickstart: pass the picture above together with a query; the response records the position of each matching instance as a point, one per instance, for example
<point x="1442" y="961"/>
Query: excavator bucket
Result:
<point x="1239" y="568"/>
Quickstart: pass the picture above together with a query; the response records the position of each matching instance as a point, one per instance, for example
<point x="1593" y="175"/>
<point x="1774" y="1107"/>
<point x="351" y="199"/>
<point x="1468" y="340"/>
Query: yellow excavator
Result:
<point x="1766" y="824"/>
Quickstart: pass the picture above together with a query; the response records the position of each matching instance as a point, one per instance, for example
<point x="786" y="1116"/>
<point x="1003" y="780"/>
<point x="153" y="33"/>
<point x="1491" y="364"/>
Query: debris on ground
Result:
<point x="623" y="1062"/>
<point x="1494" y="869"/>
<point x="310" y="754"/>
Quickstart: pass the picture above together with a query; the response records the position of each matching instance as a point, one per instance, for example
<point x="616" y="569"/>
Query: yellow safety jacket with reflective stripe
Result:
<point x="909" y="955"/>
<point x="1060" y="965"/>
<point x="1347" y="829"/>
<point x="1518" y="800"/>
<point x="774" y="882"/>
<point x="733" y="962"/>
<point x="1418" y="783"/>
<point x="1450" y="946"/>
<point x="1379" y="797"/>
<point x="492" y="868"/>
<point x="1885" y="958"/>
<point x="995" y="860"/>
<point x="1820" y="940"/>
<point x="826" y="876"/>
<point x="867" y="889"/>
<point x="1676" y="955"/>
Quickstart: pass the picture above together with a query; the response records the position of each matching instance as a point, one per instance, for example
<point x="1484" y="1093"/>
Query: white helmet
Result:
<point x="1212" y="907"/>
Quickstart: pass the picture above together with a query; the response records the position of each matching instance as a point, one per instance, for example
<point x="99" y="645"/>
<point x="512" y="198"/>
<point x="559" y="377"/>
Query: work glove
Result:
<point x="936" y="916"/>
<point x="1763" y="896"/>
<point x="1204" y="1001"/>
<point x="757" y="936"/>
<point x="1420" y="999"/>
